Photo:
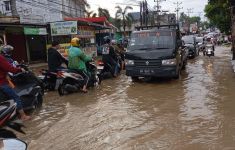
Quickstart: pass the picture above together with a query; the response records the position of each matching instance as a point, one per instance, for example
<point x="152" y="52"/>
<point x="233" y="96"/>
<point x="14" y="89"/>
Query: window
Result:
<point x="7" y="5"/>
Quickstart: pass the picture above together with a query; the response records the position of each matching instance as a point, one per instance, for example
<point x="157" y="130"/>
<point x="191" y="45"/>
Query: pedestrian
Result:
<point x="6" y="67"/>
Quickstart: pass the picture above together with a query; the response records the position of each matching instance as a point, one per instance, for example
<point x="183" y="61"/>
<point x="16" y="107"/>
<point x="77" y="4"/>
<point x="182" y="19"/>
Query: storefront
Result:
<point x="66" y="30"/>
<point x="28" y="40"/>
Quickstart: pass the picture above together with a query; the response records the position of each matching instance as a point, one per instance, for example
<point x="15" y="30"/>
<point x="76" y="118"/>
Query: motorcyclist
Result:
<point x="55" y="59"/>
<point x="6" y="51"/>
<point x="110" y="57"/>
<point x="6" y="67"/>
<point x="78" y="60"/>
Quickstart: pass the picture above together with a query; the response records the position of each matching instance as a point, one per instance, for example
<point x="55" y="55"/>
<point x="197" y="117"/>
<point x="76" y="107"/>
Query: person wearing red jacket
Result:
<point x="6" y="67"/>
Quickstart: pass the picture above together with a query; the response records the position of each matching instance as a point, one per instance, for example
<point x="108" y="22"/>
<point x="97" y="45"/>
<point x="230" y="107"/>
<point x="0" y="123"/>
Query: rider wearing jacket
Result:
<point x="6" y="67"/>
<point x="55" y="59"/>
<point x="78" y="60"/>
<point x="109" y="56"/>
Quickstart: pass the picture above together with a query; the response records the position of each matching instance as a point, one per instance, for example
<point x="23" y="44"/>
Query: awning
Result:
<point x="83" y="21"/>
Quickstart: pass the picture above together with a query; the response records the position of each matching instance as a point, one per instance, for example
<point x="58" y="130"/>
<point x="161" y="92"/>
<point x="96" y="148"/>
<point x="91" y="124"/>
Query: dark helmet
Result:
<point x="7" y="49"/>
<point x="107" y="39"/>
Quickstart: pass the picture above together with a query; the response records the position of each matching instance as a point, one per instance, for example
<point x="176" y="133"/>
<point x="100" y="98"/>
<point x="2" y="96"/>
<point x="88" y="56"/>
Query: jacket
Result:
<point x="77" y="59"/>
<point x="6" y="67"/>
<point x="55" y="59"/>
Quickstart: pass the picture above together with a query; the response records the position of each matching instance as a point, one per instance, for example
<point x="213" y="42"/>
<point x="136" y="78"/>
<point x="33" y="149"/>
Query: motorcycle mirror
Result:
<point x="12" y="144"/>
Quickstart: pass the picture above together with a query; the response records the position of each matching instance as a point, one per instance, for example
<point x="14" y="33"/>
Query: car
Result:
<point x="200" y="43"/>
<point x="191" y="44"/>
<point x="155" y="52"/>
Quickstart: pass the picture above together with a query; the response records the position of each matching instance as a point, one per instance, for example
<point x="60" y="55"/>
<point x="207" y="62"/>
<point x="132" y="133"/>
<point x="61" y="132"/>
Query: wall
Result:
<point x="42" y="11"/>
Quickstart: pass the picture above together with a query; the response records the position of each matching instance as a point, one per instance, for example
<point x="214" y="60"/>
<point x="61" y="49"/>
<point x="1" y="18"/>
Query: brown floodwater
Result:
<point x="195" y="112"/>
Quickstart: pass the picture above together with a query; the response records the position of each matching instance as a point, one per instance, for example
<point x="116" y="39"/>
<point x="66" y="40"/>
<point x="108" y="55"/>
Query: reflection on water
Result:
<point x="195" y="112"/>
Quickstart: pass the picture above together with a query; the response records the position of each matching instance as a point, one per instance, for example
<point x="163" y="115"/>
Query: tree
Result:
<point x="104" y="13"/>
<point x="218" y="12"/>
<point x="90" y="14"/>
<point x="124" y="17"/>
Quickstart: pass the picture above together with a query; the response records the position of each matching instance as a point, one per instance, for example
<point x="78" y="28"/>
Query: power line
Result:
<point x="178" y="9"/>
<point x="158" y="8"/>
<point x="189" y="11"/>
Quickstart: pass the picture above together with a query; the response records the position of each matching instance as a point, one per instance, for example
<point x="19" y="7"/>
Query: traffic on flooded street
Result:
<point x="117" y="74"/>
<point x="194" y="112"/>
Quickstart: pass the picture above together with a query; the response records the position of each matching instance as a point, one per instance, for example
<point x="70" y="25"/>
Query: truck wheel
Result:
<point x="134" y="79"/>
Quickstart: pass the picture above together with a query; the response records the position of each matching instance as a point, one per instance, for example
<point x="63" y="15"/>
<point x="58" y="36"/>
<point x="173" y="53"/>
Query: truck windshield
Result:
<point x="152" y="40"/>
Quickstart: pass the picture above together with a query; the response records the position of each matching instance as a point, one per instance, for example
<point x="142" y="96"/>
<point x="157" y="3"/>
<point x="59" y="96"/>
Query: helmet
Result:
<point x="7" y="49"/>
<point x="75" y="41"/>
<point x="107" y="39"/>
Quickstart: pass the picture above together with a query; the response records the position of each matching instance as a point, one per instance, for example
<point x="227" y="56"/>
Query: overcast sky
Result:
<point x="197" y="5"/>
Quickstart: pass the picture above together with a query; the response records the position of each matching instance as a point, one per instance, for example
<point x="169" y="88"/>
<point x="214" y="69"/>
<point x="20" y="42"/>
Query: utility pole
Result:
<point x="189" y="11"/>
<point x="158" y="9"/>
<point x="177" y="9"/>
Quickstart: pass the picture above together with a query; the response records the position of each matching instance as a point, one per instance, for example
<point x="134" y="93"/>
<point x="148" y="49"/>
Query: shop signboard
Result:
<point x="35" y="31"/>
<point x="64" y="28"/>
<point x="86" y="32"/>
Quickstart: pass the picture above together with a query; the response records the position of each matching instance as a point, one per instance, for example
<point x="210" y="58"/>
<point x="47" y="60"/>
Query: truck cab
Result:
<point x="155" y="52"/>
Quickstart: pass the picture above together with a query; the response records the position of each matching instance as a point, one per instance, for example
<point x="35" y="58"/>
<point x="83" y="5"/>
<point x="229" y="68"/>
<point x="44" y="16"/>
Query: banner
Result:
<point x="64" y="28"/>
<point x="35" y="31"/>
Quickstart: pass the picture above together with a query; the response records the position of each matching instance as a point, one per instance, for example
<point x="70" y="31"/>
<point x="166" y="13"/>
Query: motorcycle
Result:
<point x="71" y="81"/>
<point x="28" y="87"/>
<point x="8" y="119"/>
<point x="209" y="51"/>
<point x="106" y="70"/>
<point x="49" y="80"/>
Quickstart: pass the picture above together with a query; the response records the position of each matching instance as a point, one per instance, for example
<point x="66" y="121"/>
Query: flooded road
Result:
<point x="194" y="112"/>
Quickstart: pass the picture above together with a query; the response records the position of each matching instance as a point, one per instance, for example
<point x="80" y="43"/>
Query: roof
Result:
<point x="84" y="21"/>
<point x="99" y="20"/>
<point x="21" y="25"/>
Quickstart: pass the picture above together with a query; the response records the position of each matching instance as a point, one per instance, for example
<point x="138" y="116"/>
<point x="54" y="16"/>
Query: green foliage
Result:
<point x="123" y="17"/>
<point x="218" y="12"/>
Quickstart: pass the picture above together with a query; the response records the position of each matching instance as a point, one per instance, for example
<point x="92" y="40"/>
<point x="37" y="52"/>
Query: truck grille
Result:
<point x="148" y="63"/>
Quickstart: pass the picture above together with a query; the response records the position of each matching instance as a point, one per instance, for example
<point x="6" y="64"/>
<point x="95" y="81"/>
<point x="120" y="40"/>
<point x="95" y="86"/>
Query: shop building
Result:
<point x="29" y="41"/>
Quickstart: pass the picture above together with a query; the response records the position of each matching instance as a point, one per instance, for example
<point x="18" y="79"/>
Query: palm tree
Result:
<point x="122" y="14"/>
<point x="90" y="14"/>
<point x="103" y="13"/>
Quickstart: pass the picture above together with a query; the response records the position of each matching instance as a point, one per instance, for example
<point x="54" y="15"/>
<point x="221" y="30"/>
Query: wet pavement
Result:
<point x="194" y="112"/>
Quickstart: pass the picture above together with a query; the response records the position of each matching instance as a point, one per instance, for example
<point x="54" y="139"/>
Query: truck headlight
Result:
<point x="169" y="62"/>
<point x="130" y="62"/>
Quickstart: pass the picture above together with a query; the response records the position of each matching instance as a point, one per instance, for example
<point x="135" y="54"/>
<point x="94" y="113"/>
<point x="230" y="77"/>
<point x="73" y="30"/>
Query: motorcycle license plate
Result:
<point x="209" y="52"/>
<point x="100" y="67"/>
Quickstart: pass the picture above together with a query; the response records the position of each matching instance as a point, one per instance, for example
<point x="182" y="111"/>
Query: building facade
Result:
<point x="43" y="11"/>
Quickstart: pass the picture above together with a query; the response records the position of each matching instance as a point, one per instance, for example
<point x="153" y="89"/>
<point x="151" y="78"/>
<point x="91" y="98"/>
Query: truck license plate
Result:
<point x="145" y="71"/>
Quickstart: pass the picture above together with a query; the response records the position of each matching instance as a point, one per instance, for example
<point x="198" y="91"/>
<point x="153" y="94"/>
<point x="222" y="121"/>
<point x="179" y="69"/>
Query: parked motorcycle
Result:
<point x="8" y="119"/>
<point x="28" y="87"/>
<point x="71" y="81"/>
